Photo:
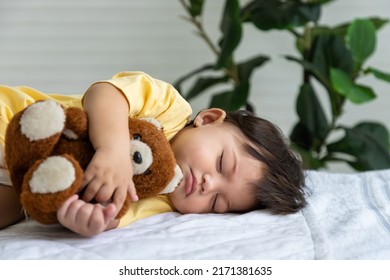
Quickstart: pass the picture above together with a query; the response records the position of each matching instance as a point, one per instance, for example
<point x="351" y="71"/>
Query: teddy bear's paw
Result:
<point x="54" y="174"/>
<point x="42" y="120"/>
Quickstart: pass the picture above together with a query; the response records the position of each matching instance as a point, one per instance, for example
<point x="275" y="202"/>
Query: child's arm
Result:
<point x="109" y="174"/>
<point x="86" y="219"/>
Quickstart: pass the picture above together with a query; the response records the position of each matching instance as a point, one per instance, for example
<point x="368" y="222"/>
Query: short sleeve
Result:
<point x="150" y="97"/>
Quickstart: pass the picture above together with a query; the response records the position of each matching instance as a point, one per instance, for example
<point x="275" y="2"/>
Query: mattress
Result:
<point x="347" y="217"/>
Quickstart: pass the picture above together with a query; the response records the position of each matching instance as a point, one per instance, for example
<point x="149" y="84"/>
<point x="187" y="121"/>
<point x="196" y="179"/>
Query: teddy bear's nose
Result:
<point x="137" y="157"/>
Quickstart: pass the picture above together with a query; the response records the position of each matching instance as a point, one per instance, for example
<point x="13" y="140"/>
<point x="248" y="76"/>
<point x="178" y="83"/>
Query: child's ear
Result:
<point x="208" y="116"/>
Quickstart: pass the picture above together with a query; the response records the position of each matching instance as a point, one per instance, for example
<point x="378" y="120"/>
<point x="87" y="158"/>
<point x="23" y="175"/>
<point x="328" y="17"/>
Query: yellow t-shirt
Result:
<point x="146" y="207"/>
<point x="147" y="97"/>
<point x="15" y="99"/>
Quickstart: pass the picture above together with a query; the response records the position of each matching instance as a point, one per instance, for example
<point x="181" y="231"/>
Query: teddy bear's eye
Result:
<point x="137" y="137"/>
<point x="137" y="157"/>
<point x="147" y="172"/>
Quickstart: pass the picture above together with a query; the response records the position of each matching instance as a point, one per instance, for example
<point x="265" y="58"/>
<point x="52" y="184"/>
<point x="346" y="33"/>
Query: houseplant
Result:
<point x="333" y="61"/>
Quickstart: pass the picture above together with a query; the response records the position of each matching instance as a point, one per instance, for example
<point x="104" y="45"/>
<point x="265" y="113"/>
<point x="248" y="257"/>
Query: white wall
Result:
<point x="63" y="46"/>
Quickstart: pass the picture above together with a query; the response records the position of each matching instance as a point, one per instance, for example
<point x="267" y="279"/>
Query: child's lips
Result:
<point x="190" y="183"/>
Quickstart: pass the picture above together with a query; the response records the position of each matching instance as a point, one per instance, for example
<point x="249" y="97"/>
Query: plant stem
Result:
<point x="197" y="22"/>
<point x="200" y="30"/>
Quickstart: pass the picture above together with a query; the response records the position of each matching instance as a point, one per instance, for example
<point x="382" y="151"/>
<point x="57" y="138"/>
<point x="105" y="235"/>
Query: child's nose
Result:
<point x="209" y="184"/>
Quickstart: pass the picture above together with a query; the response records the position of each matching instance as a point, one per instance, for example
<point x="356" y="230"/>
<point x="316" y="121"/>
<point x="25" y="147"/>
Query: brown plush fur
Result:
<point x="24" y="156"/>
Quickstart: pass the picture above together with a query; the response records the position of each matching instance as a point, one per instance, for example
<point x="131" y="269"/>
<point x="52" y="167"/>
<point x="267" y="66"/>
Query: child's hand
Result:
<point x="109" y="177"/>
<point x="85" y="218"/>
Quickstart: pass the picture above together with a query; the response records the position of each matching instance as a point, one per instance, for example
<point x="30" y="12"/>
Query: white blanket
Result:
<point x="347" y="217"/>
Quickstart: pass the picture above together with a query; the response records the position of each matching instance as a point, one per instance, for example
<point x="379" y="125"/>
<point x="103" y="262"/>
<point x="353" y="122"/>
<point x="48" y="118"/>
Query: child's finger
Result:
<point x="62" y="211"/>
<point x="75" y="208"/>
<point x="133" y="192"/>
<point x="104" y="194"/>
<point x="109" y="213"/>
<point x="87" y="178"/>
<point x="119" y="197"/>
<point x="91" y="190"/>
<point x="100" y="217"/>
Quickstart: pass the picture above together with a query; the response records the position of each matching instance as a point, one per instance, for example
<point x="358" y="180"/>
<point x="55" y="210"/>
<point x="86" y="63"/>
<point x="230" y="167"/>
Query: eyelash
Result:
<point x="220" y="163"/>
<point x="214" y="202"/>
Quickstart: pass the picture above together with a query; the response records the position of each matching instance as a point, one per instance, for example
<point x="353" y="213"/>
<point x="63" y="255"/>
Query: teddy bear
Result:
<point x="47" y="149"/>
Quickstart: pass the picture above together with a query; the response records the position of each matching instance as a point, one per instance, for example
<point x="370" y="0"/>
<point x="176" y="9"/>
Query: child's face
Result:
<point x="217" y="173"/>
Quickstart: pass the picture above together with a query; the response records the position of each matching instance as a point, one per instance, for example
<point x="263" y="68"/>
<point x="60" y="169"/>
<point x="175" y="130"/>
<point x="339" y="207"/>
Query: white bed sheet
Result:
<point x="347" y="217"/>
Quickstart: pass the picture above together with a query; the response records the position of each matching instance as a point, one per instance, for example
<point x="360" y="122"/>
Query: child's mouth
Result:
<point x="190" y="184"/>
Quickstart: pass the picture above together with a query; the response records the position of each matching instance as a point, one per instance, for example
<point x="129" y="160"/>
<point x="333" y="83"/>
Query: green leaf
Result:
<point x="378" y="74"/>
<point x="377" y="131"/>
<point x="204" y="83"/>
<point x="310" y="160"/>
<point x="361" y="39"/>
<point x="195" y="7"/>
<point x="277" y="14"/>
<point x="222" y="100"/>
<point x="246" y="68"/>
<point x="177" y="84"/>
<point x="231" y="33"/>
<point x="361" y="94"/>
<point x="341" y="82"/>
<point x="335" y="99"/>
<point x="368" y="143"/>
<point x="329" y="51"/>
<point x="342" y="29"/>
<point x="302" y="13"/>
<point x="378" y="22"/>
<point x="240" y="96"/>
<point x="310" y="67"/>
<point x="355" y="93"/>
<point x="301" y="136"/>
<point x="310" y="112"/>
<point x="231" y="100"/>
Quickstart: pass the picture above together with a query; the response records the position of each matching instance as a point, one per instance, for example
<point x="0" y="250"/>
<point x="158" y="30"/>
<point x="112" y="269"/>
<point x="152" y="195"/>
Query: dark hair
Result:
<point x="281" y="190"/>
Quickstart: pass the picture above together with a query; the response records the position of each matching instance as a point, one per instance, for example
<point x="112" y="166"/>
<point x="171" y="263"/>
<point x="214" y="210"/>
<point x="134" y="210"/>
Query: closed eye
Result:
<point x="215" y="197"/>
<point x="220" y="164"/>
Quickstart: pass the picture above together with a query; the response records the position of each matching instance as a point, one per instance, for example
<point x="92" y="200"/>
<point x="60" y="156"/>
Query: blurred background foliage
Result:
<point x="333" y="60"/>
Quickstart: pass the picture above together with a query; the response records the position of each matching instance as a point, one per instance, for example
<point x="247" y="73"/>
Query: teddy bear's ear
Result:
<point x="153" y="121"/>
<point x="35" y="123"/>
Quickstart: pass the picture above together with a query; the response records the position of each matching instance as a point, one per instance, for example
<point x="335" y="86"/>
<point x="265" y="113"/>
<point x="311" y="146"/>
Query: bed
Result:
<point x="347" y="217"/>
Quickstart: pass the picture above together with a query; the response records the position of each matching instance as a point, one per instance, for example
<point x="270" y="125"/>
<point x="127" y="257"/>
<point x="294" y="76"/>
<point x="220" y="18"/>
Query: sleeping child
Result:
<point x="231" y="161"/>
